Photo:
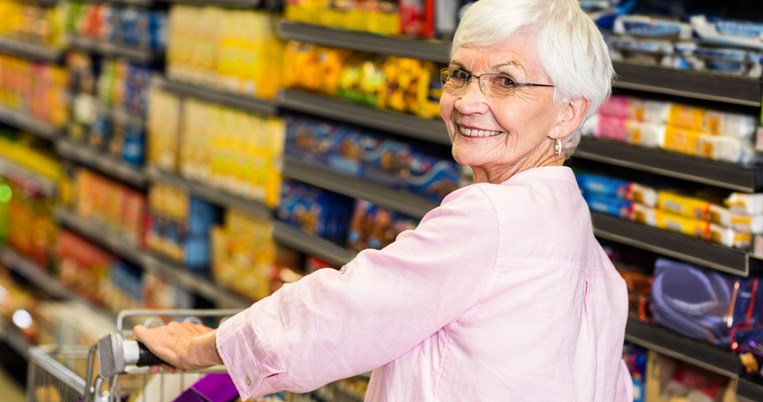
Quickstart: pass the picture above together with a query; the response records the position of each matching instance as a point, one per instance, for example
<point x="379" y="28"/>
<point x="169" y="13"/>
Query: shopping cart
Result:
<point x="114" y="368"/>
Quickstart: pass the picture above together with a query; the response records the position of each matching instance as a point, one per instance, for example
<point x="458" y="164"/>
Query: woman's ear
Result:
<point x="571" y="114"/>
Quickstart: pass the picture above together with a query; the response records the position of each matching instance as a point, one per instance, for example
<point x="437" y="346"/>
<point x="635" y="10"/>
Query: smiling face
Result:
<point x="498" y="137"/>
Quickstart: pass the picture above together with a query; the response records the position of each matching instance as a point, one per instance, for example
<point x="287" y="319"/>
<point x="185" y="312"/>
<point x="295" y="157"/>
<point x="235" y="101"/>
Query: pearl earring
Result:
<point x="558" y="147"/>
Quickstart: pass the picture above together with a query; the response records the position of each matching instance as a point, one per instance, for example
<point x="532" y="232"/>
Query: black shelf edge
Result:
<point x="186" y="279"/>
<point x="689" y="84"/>
<point x="405" y="125"/>
<point x="99" y="235"/>
<point x="33" y="273"/>
<point x="84" y="155"/>
<point x="23" y="122"/>
<point x="675" y="245"/>
<point x="109" y="49"/>
<point x="11" y="170"/>
<point x="422" y="49"/>
<point x="248" y="103"/>
<point x="215" y="196"/>
<point x="740" y="178"/>
<point x="679" y="347"/>
<point x="397" y="200"/>
<point x="14" y="339"/>
<point x="749" y="391"/>
<point x="299" y="240"/>
<point x="30" y="51"/>
<point x="220" y="3"/>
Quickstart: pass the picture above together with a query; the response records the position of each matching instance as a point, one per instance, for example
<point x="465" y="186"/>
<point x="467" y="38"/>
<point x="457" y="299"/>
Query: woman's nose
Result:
<point x="473" y="100"/>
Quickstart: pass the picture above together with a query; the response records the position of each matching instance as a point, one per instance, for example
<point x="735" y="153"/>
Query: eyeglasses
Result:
<point x="494" y="85"/>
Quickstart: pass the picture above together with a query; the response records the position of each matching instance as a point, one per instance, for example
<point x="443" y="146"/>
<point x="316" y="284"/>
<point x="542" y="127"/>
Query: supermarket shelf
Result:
<point x="11" y="170"/>
<point x="670" y="164"/>
<point x="109" y="49"/>
<point x="27" y="123"/>
<point x="437" y="51"/>
<point x="249" y="103"/>
<point x="397" y="123"/>
<point x="676" y="245"/>
<point x="223" y="298"/>
<point x="689" y="84"/>
<point x="30" y="51"/>
<point x="13" y="338"/>
<point x="220" y="3"/>
<point x="397" y="200"/>
<point x="300" y="240"/>
<point x="679" y="347"/>
<point x="100" y="235"/>
<point x="33" y="273"/>
<point x="749" y="391"/>
<point x="102" y="163"/>
<point x="215" y="196"/>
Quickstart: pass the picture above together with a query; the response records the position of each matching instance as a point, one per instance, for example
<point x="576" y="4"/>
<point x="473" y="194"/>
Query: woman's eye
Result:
<point x="505" y="81"/>
<point x="460" y="74"/>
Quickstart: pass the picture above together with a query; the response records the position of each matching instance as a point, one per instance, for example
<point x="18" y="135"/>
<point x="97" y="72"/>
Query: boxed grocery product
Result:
<point x="373" y="226"/>
<point x="319" y="212"/>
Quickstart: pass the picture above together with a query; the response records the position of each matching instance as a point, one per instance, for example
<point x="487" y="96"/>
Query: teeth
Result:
<point x="473" y="132"/>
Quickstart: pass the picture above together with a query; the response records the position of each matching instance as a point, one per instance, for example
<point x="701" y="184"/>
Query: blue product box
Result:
<point x="308" y="139"/>
<point x="318" y="212"/>
<point x="432" y="177"/>
<point x="387" y="162"/>
<point x="133" y="146"/>
<point x="609" y="205"/>
<point x="602" y="185"/>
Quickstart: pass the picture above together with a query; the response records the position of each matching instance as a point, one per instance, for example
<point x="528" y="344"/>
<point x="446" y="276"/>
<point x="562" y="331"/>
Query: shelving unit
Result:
<point x="437" y="51"/>
<point x="345" y="111"/>
<point x="34" y="274"/>
<point x="103" y="163"/>
<point x="30" y="51"/>
<point x="298" y="239"/>
<point x="26" y="123"/>
<point x="670" y="164"/>
<point x="207" y="193"/>
<point x="248" y="103"/>
<point x="318" y="176"/>
<point x="112" y="50"/>
<point x="10" y="169"/>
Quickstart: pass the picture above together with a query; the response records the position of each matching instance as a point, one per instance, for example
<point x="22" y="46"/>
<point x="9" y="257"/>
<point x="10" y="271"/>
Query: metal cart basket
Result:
<point x="77" y="374"/>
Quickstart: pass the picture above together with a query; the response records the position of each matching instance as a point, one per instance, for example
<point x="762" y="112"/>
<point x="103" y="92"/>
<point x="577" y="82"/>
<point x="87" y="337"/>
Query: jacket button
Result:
<point x="248" y="382"/>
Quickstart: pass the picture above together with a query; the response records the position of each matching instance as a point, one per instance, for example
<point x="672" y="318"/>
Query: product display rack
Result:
<point x="30" y="51"/>
<point x="113" y="50"/>
<point x="247" y="103"/>
<point x="670" y="164"/>
<point x="171" y="271"/>
<point x="104" y="164"/>
<point x="26" y="123"/>
<point x="12" y="170"/>
<point x="325" y="106"/>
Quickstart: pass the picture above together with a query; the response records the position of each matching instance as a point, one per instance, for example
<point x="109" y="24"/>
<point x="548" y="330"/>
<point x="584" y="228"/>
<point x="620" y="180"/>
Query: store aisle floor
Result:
<point x="10" y="389"/>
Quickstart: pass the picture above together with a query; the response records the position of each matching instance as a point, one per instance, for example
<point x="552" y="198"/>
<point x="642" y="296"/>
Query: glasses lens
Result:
<point x="499" y="85"/>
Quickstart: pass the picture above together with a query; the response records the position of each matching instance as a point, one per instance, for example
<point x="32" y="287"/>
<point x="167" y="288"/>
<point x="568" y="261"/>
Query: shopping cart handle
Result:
<point x="145" y="356"/>
<point x="115" y="354"/>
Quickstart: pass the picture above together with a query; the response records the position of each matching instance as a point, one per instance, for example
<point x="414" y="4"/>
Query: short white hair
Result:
<point x="570" y="47"/>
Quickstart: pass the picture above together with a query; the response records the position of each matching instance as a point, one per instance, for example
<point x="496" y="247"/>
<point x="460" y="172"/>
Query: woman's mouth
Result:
<point x="475" y="132"/>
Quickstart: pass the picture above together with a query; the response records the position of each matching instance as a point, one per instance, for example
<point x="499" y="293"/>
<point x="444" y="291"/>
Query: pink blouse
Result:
<point x="501" y="293"/>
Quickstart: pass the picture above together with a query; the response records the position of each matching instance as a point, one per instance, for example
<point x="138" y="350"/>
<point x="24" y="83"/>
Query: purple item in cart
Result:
<point x="214" y="387"/>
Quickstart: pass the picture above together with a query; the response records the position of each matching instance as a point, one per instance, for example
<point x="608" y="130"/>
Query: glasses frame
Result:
<point x="446" y="71"/>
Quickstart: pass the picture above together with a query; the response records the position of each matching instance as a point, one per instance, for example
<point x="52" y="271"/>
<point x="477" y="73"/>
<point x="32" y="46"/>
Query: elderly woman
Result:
<point x="502" y="293"/>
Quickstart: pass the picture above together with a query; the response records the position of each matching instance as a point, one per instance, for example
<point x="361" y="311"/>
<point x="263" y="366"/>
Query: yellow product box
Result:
<point x="690" y="207"/>
<point x="162" y="129"/>
<point x="729" y="237"/>
<point x="688" y="226"/>
<point x="681" y="140"/>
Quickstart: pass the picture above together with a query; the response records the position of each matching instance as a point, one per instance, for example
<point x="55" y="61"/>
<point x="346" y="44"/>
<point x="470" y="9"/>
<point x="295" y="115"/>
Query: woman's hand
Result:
<point x="182" y="345"/>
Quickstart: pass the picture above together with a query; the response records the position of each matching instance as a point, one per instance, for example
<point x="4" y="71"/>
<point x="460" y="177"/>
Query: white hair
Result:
<point x="570" y="47"/>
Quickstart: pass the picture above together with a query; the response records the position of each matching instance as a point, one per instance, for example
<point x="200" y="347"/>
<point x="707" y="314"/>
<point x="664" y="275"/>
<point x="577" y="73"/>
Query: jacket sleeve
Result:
<point x="334" y="324"/>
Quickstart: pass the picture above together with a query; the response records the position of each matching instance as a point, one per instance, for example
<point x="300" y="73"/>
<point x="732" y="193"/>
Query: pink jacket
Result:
<point x="501" y="293"/>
